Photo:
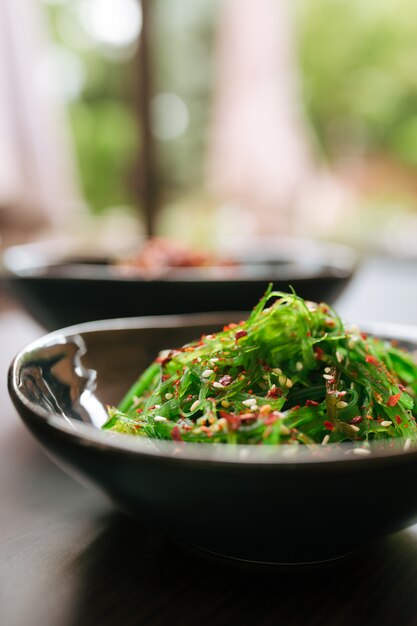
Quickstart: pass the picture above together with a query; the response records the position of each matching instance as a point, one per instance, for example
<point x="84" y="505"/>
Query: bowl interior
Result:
<point x="75" y="373"/>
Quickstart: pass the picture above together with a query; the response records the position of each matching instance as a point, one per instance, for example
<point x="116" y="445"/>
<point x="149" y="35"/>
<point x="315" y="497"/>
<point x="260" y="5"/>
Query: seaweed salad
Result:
<point x="292" y="373"/>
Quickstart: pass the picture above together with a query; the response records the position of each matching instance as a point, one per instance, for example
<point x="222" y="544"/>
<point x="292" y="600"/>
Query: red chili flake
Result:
<point x="294" y="408"/>
<point x="329" y="425"/>
<point x="139" y="411"/>
<point x="233" y="421"/>
<point x="401" y="387"/>
<point x="364" y="336"/>
<point x="229" y="327"/>
<point x="225" y="380"/>
<point x="371" y="359"/>
<point x="392" y="400"/>
<point x="319" y="353"/>
<point x="240" y="334"/>
<point x="165" y="377"/>
<point x="163" y="360"/>
<point x="357" y="420"/>
<point x="176" y="434"/>
<point x="308" y="333"/>
<point x="274" y="392"/>
<point x="312" y="403"/>
<point x="398" y="419"/>
<point x="207" y="430"/>
<point x="270" y="419"/>
<point x="247" y="416"/>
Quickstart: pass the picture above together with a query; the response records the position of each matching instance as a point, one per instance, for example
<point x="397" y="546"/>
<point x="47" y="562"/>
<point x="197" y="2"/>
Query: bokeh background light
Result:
<point x="301" y="115"/>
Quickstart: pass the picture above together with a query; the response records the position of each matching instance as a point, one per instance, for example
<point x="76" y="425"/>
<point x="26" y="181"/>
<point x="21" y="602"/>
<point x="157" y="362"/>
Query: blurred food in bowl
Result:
<point x="61" y="283"/>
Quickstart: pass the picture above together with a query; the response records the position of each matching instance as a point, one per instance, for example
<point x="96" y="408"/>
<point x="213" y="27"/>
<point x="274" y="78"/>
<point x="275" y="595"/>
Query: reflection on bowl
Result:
<point x="266" y="504"/>
<point x="59" y="287"/>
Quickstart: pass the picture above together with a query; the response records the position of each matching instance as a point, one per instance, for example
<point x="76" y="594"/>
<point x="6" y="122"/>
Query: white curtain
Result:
<point x="38" y="178"/>
<point x="260" y="149"/>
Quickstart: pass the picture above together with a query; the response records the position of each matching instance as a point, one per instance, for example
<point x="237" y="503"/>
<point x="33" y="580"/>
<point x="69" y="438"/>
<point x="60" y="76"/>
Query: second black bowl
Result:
<point x="59" y="287"/>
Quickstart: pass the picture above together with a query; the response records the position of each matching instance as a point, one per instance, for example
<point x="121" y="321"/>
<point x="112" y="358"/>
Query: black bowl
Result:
<point x="60" y="287"/>
<point x="264" y="504"/>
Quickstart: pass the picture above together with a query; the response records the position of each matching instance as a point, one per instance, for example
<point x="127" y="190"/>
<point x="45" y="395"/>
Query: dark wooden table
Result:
<point x="68" y="558"/>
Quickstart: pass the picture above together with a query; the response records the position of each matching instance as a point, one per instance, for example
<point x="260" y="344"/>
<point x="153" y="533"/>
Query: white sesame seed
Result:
<point x="339" y="356"/>
<point x="217" y="385"/>
<point x="249" y="402"/>
<point x="282" y="380"/>
<point x="214" y="360"/>
<point x="299" y="366"/>
<point x="325" y="440"/>
<point x="199" y="359"/>
<point x="386" y="423"/>
<point x="157" y="406"/>
<point x="289" y="383"/>
<point x="169" y="396"/>
<point x="254" y="407"/>
<point x="354" y="428"/>
<point x="195" y="405"/>
<point x="341" y="404"/>
<point x="207" y="373"/>
<point x="328" y="376"/>
<point x="361" y="451"/>
<point x="277" y="370"/>
<point x="407" y="444"/>
<point x="327" y="369"/>
<point x="160" y="418"/>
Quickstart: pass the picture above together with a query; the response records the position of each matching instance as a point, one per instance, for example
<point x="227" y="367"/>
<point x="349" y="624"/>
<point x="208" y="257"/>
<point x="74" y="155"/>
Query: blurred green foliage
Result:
<point x="184" y="34"/>
<point x="358" y="84"/>
<point x="358" y="70"/>
<point x="106" y="139"/>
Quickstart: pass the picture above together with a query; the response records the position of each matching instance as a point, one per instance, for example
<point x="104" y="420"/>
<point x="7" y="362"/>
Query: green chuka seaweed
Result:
<point x="293" y="373"/>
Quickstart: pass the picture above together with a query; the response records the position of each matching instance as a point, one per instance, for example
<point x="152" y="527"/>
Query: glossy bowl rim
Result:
<point x="240" y="455"/>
